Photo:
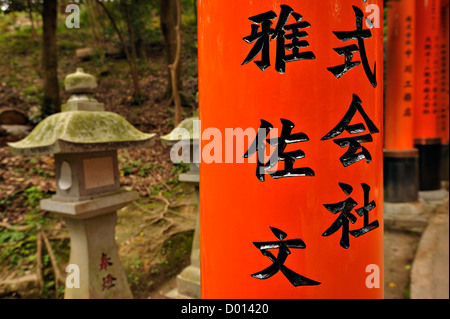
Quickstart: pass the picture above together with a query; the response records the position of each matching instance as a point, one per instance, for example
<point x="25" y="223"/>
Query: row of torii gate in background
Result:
<point x="244" y="218"/>
<point x="416" y="105"/>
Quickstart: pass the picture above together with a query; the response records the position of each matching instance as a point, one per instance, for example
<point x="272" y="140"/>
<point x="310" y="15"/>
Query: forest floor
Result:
<point x="154" y="234"/>
<point x="400" y="248"/>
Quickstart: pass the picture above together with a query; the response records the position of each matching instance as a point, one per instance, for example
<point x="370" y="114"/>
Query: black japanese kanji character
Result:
<point x="407" y="97"/>
<point x="344" y="208"/>
<point x="278" y="262"/>
<point x="347" y="51"/>
<point x="279" y="154"/>
<point x="407" y="112"/>
<point x="408" y="84"/>
<point x="353" y="143"/>
<point x="282" y="32"/>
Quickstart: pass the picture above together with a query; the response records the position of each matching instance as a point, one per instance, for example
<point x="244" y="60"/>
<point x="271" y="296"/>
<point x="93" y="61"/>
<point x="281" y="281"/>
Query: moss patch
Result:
<point x="81" y="127"/>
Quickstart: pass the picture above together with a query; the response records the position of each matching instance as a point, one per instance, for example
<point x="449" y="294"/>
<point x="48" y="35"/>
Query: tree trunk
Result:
<point x="99" y="17"/>
<point x="51" y="102"/>
<point x="30" y="14"/>
<point x="137" y="90"/>
<point x="169" y="18"/>
<point x="174" y="67"/>
<point x="133" y="69"/>
<point x="92" y="23"/>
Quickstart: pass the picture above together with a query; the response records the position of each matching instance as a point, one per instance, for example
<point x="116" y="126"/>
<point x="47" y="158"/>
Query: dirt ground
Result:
<point x="399" y="251"/>
<point x="155" y="236"/>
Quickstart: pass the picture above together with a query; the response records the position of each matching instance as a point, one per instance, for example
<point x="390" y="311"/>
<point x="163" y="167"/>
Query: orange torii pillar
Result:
<point x="444" y="91"/>
<point x="401" y="159"/>
<point x="427" y="139"/>
<point x="291" y="111"/>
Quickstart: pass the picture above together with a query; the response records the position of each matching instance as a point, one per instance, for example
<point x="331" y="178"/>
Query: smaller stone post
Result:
<point x="186" y="134"/>
<point x="85" y="139"/>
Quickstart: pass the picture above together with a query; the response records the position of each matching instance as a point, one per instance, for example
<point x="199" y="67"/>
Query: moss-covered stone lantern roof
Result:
<point x="81" y="131"/>
<point x="179" y="133"/>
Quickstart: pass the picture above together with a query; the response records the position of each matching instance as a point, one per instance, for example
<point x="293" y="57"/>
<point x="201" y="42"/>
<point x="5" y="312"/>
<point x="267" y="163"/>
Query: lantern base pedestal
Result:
<point x="401" y="176"/>
<point x="429" y="163"/>
<point x="405" y="216"/>
<point x="433" y="197"/>
<point x="188" y="284"/>
<point x="94" y="251"/>
<point x="91" y="207"/>
<point x="445" y="164"/>
<point x="190" y="177"/>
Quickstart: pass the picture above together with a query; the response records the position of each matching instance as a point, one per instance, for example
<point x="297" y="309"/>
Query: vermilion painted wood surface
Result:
<point x="239" y="211"/>
<point x="399" y="108"/>
<point x="427" y="69"/>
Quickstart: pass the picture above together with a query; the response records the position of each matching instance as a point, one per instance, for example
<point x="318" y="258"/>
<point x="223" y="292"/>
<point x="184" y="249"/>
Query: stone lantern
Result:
<point x="84" y="140"/>
<point x="187" y="137"/>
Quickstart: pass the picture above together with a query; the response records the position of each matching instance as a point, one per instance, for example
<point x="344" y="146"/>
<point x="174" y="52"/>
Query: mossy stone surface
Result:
<point x="80" y="82"/>
<point x="180" y="132"/>
<point x="81" y="127"/>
